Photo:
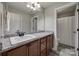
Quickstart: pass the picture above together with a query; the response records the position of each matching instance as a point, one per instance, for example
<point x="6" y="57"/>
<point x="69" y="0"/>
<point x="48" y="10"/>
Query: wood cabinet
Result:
<point x="0" y="54"/>
<point x="33" y="48"/>
<point x="43" y="47"/>
<point x="49" y="43"/>
<point x="39" y="47"/>
<point x="21" y="51"/>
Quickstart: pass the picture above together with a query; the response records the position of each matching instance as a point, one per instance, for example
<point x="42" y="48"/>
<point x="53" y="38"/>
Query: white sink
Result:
<point x="17" y="39"/>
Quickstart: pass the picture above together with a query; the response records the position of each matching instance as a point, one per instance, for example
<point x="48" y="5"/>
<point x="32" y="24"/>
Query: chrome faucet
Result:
<point x="19" y="33"/>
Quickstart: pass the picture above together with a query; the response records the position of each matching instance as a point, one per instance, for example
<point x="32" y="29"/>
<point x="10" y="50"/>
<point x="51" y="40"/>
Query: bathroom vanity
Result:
<point x="40" y="45"/>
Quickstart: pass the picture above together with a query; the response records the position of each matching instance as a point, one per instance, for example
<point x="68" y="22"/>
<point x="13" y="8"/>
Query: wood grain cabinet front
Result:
<point x="0" y="54"/>
<point x="20" y="51"/>
<point x="49" y="43"/>
<point x="33" y="48"/>
<point x="43" y="47"/>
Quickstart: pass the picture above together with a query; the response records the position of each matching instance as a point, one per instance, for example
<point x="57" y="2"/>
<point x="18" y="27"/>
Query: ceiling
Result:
<point x="22" y="5"/>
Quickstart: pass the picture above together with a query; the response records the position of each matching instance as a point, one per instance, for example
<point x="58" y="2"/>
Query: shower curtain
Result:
<point x="65" y="30"/>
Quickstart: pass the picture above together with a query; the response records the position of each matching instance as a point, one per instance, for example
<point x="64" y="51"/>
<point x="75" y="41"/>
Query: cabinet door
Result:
<point x="39" y="47"/>
<point x="43" y="47"/>
<point x="0" y="54"/>
<point x="33" y="48"/>
<point x="21" y="51"/>
<point x="49" y="43"/>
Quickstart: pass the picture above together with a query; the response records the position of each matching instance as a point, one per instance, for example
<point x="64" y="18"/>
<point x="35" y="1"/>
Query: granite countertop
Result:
<point x="7" y="44"/>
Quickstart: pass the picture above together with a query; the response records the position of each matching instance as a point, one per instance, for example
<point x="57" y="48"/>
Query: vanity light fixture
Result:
<point x="33" y="5"/>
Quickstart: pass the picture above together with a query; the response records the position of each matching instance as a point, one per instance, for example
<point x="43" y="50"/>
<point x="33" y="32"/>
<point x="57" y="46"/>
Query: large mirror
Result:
<point x="18" y="20"/>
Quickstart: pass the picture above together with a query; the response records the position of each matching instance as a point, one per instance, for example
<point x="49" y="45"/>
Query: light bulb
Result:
<point x="35" y="4"/>
<point x="34" y="9"/>
<point x="28" y="5"/>
<point x="31" y="7"/>
<point x="38" y="5"/>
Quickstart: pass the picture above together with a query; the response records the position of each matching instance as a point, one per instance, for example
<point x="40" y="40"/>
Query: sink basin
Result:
<point x="17" y="39"/>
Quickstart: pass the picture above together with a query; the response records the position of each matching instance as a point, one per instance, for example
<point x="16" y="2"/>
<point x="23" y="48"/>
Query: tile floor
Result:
<point x="63" y="50"/>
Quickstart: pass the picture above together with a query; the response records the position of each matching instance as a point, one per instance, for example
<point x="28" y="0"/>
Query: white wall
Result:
<point x="1" y="12"/>
<point x="41" y="22"/>
<point x="50" y="22"/>
<point x="26" y="23"/>
<point x="1" y="7"/>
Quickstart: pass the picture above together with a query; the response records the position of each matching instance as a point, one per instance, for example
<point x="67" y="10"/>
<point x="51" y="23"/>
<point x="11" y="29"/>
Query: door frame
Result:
<point x="77" y="26"/>
<point x="56" y="9"/>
